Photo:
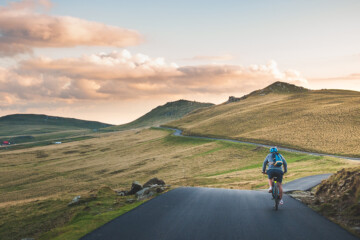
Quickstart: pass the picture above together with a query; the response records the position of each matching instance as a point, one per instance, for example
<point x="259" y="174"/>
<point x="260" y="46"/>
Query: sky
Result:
<point x="113" y="61"/>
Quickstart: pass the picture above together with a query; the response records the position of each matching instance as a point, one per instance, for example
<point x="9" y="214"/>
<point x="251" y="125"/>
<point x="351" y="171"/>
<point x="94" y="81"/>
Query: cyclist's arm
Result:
<point x="284" y="164"/>
<point x="264" y="165"/>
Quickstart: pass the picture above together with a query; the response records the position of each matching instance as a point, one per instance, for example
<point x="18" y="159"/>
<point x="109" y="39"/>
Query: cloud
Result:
<point x="350" y="77"/>
<point x="103" y="66"/>
<point x="225" y="57"/>
<point x="349" y="82"/>
<point x="120" y="76"/>
<point x="23" y="27"/>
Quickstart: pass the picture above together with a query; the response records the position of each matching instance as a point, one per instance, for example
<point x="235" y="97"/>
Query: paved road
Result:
<point x="178" y="132"/>
<point x="205" y="213"/>
<point x="306" y="183"/>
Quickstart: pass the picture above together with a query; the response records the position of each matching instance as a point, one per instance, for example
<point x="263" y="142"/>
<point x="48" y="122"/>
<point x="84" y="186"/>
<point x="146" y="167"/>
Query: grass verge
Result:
<point x="54" y="219"/>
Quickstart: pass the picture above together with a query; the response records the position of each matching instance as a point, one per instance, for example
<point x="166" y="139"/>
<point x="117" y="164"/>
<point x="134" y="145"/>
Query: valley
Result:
<point x="40" y="175"/>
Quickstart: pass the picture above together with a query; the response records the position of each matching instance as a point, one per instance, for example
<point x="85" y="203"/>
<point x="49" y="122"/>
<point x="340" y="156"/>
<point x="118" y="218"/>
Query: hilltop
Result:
<point x="163" y="114"/>
<point x="285" y="115"/>
<point x="276" y="87"/>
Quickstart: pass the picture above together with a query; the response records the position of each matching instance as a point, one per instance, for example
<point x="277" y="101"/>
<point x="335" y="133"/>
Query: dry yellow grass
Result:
<point x="321" y="121"/>
<point x="117" y="159"/>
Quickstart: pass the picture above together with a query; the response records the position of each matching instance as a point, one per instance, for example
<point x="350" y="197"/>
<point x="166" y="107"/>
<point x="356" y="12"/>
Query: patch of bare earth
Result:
<point x="337" y="198"/>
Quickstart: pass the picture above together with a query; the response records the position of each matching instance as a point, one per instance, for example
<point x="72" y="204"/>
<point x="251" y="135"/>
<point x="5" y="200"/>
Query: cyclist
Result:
<point x="274" y="171"/>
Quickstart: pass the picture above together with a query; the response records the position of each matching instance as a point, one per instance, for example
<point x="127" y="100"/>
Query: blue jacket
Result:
<point x="269" y="161"/>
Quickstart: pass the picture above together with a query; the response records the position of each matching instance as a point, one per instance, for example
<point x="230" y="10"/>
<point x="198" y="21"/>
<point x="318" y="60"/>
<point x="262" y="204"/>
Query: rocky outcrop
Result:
<point x="122" y="193"/>
<point x="276" y="87"/>
<point x="135" y="187"/>
<point x="144" y="194"/>
<point x="235" y="99"/>
<point x="154" y="181"/>
<point x="149" y="189"/>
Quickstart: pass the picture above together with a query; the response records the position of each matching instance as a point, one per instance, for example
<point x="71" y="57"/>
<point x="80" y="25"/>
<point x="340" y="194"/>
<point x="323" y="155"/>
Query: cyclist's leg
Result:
<point x="280" y="177"/>
<point x="270" y="174"/>
<point x="280" y="190"/>
<point x="270" y="182"/>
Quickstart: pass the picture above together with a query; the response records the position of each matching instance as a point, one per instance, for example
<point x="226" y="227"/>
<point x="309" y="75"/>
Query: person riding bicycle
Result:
<point x="274" y="170"/>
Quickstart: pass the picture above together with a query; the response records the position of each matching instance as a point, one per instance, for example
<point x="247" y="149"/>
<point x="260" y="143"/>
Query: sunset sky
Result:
<point x="113" y="61"/>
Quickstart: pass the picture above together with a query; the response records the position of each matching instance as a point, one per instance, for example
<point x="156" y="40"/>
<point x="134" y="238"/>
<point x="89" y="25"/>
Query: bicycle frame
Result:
<point x="275" y="193"/>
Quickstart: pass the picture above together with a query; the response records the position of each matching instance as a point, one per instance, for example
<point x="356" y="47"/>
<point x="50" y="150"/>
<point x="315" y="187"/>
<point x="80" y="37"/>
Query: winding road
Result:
<point x="178" y="132"/>
<point x="305" y="183"/>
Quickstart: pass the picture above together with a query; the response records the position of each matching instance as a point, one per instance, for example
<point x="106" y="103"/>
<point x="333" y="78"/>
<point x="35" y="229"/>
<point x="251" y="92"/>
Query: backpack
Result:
<point x="277" y="160"/>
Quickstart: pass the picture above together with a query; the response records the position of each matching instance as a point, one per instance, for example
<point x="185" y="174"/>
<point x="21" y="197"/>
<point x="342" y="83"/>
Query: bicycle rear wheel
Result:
<point x="276" y="195"/>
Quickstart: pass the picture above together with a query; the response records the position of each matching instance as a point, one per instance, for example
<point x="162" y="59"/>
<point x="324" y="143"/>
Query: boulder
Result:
<point x="160" y="189"/>
<point x="135" y="187"/>
<point x="130" y="200"/>
<point x="122" y="193"/>
<point x="144" y="194"/>
<point x="80" y="200"/>
<point x="149" y="191"/>
<point x="143" y="191"/>
<point x="154" y="181"/>
<point x="76" y="200"/>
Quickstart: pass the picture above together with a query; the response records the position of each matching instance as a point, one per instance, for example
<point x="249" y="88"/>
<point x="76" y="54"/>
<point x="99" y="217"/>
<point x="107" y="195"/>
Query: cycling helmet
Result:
<point x="273" y="149"/>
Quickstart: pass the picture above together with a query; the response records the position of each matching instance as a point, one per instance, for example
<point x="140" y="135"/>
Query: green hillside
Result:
<point x="162" y="114"/>
<point x="20" y="128"/>
<point x="285" y="115"/>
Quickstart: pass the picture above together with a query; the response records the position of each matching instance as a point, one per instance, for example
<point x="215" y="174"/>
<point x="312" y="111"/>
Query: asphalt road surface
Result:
<point x="207" y="213"/>
<point x="178" y="132"/>
<point x="305" y="183"/>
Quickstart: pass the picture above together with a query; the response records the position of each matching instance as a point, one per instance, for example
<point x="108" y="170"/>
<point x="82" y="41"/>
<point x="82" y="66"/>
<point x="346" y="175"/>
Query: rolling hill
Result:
<point x="162" y="114"/>
<point x="20" y="128"/>
<point x="37" y="183"/>
<point x="286" y="115"/>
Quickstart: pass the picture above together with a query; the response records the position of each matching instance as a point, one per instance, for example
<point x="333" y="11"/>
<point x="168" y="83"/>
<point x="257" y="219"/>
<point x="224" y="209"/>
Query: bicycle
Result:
<point x="275" y="192"/>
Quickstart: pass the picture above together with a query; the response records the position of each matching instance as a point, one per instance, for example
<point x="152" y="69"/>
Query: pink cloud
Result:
<point x="350" y="82"/>
<point x="121" y="75"/>
<point x="112" y="66"/>
<point x="350" y="77"/>
<point x="23" y="28"/>
<point x="224" y="57"/>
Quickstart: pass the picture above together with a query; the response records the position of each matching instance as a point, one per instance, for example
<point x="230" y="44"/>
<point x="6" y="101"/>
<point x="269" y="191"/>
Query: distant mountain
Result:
<point x="276" y="87"/>
<point x="36" y="119"/>
<point x="23" y="126"/>
<point x="163" y="114"/>
<point x="285" y="115"/>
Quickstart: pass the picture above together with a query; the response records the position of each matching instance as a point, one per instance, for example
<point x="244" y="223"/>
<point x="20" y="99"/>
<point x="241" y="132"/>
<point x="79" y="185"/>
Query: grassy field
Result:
<point x="55" y="174"/>
<point x="325" y="121"/>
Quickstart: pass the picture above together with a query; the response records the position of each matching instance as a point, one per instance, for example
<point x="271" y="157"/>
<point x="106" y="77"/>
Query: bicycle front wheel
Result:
<point x="276" y="196"/>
